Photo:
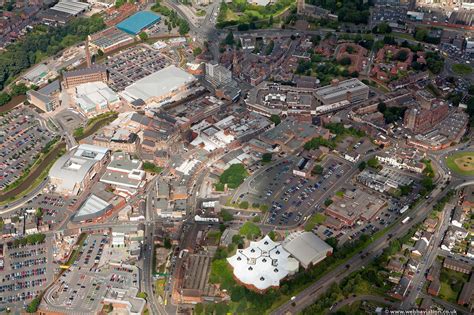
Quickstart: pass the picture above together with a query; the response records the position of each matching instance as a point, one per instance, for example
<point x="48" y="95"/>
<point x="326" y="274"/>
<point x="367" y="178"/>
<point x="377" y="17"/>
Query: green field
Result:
<point x="462" y="69"/>
<point x="451" y="284"/>
<point x="461" y="163"/>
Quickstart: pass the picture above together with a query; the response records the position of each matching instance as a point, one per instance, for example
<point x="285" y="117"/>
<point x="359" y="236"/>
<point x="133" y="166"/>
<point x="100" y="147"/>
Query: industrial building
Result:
<point x="307" y="248"/>
<point x="351" y="90"/>
<point x="81" y="76"/>
<point x="110" y="39"/>
<point x="160" y="87"/>
<point x="63" y="11"/>
<point x="138" y="22"/>
<point x="262" y="265"/>
<point x="92" y="209"/>
<point x="73" y="172"/>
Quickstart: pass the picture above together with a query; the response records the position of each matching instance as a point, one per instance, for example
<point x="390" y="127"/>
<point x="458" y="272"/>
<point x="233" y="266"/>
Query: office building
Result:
<point x="351" y="90"/>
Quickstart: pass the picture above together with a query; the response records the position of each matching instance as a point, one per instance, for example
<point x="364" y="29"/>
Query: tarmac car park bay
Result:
<point x="27" y="271"/>
<point x="291" y="197"/>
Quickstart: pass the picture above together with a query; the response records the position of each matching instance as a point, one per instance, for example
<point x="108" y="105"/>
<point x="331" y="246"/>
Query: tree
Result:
<point x="226" y="215"/>
<point x="183" y="27"/>
<point x="33" y="305"/>
<point x="266" y="157"/>
<point x="382" y="28"/>
<point x="250" y="230"/>
<point x="402" y="55"/>
<point x="143" y="36"/>
<point x="229" y="39"/>
<point x="197" y="51"/>
<point x="275" y="119"/>
<point x="244" y="204"/>
<point x="39" y="213"/>
<point x="272" y="235"/>
<point x="470" y="90"/>
<point x="167" y="243"/>
<point x="317" y="169"/>
<point x="362" y="166"/>
<point x="328" y="202"/>
<point x="142" y="295"/>
<point x="346" y="61"/>
<point x="4" y="98"/>
<point x="373" y="162"/>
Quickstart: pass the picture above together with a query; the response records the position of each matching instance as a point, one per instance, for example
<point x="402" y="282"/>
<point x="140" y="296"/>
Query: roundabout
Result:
<point x="461" y="163"/>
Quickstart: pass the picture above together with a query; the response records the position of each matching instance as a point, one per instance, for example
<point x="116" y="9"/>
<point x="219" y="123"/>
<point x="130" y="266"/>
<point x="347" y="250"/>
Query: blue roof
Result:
<point x="137" y="22"/>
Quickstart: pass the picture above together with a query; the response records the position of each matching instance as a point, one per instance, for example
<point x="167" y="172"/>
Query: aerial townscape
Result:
<point x="236" y="157"/>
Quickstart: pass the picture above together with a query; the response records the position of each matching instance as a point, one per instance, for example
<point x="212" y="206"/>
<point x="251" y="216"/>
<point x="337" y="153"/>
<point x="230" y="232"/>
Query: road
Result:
<point x="310" y="294"/>
<point x="427" y="261"/>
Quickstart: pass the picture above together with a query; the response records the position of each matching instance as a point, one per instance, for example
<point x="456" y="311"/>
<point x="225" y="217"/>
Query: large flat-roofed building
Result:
<point x="161" y="86"/>
<point x="124" y="172"/>
<point x="262" y="265"/>
<point x="76" y="77"/>
<point x="71" y="7"/>
<point x="354" y="206"/>
<point x="306" y="247"/>
<point x="196" y="287"/>
<point x="139" y="21"/>
<point x="110" y="39"/>
<point x="92" y="209"/>
<point x="351" y="90"/>
<point x="63" y="11"/>
<point x="73" y="172"/>
<point x="95" y="98"/>
<point x="275" y="99"/>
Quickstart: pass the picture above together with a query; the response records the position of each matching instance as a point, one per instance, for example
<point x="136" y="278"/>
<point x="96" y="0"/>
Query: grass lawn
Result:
<point x="317" y="218"/>
<point x="462" y="69"/>
<point x="403" y="35"/>
<point x="160" y="287"/>
<point x="451" y="284"/>
<point x="461" y="163"/>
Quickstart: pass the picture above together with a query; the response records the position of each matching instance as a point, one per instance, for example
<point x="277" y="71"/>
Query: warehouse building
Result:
<point x="138" y="22"/>
<point x="63" y="11"/>
<point x="92" y="209"/>
<point x="160" y="87"/>
<point x="110" y="39"/>
<point x="351" y="90"/>
<point x="307" y="248"/>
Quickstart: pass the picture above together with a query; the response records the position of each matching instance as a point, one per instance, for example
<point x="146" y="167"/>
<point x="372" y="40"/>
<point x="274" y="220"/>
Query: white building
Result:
<point x="124" y="173"/>
<point x="161" y="87"/>
<point x="72" y="172"/>
<point x="263" y="264"/>
<point x="94" y="98"/>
